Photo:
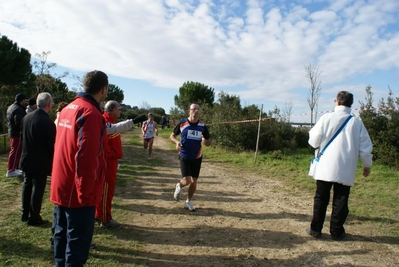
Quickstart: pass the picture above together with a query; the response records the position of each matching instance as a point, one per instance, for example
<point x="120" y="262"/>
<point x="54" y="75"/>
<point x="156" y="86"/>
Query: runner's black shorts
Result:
<point x="190" y="167"/>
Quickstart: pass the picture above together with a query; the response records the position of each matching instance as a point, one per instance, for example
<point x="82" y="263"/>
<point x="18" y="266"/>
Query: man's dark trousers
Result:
<point x="32" y="197"/>
<point x="340" y="208"/>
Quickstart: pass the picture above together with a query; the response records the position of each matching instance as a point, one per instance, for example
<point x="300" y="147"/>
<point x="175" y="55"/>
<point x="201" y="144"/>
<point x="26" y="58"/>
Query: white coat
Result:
<point x="339" y="161"/>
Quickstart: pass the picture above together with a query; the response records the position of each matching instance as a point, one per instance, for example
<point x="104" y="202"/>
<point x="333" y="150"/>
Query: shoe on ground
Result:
<point x="315" y="234"/>
<point x="13" y="174"/>
<point x="38" y="222"/>
<point x="338" y="238"/>
<point x="177" y="193"/>
<point x="189" y="206"/>
<point x="92" y="245"/>
<point x="111" y="224"/>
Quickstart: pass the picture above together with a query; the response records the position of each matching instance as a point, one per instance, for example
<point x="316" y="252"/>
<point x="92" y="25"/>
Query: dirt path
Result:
<point x="241" y="220"/>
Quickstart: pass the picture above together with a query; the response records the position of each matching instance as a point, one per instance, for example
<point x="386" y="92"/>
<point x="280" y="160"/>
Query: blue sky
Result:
<point x="255" y="49"/>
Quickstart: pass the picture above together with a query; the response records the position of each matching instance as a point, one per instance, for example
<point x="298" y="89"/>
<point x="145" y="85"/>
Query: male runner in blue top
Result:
<point x="193" y="134"/>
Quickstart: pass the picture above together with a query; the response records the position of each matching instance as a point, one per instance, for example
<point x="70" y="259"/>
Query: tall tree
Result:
<point x="158" y="111"/>
<point x="45" y="79"/>
<point x="251" y="112"/>
<point x="313" y="75"/>
<point x="15" y="67"/>
<point x="115" y="93"/>
<point x="15" y="72"/>
<point x="194" y="92"/>
<point x="382" y="124"/>
<point x="226" y="110"/>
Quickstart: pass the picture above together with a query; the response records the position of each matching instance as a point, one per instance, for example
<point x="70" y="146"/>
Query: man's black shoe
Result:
<point x="338" y="238"/>
<point x="38" y="222"/>
<point x="309" y="231"/>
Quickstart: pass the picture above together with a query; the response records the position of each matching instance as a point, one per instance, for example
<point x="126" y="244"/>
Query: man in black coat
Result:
<point x="38" y="134"/>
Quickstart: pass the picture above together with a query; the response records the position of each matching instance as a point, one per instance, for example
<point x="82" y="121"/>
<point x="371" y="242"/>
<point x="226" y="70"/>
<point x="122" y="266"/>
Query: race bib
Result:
<point x="194" y="135"/>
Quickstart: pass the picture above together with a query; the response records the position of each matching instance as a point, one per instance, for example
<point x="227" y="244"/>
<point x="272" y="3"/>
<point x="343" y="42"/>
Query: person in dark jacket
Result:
<point x="15" y="113"/>
<point x="163" y="122"/>
<point x="38" y="133"/>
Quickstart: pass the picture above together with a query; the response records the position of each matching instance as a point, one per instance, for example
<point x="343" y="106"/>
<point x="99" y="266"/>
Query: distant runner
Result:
<point x="148" y="129"/>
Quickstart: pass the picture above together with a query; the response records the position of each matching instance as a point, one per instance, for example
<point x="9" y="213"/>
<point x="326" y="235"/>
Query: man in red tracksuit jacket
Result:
<point x="114" y="152"/>
<point x="78" y="174"/>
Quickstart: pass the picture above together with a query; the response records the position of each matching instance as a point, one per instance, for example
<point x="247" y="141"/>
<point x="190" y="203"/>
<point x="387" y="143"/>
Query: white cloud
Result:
<point x="261" y="46"/>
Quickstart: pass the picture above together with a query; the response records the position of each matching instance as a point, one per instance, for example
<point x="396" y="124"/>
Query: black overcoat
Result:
<point x="38" y="137"/>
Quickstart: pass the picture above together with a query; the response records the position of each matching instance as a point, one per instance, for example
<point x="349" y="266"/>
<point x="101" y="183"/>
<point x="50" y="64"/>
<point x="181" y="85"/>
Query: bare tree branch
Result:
<point x="287" y="111"/>
<point x="313" y="75"/>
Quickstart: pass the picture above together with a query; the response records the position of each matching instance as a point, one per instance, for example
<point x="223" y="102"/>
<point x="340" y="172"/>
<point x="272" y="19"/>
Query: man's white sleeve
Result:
<point x="119" y="127"/>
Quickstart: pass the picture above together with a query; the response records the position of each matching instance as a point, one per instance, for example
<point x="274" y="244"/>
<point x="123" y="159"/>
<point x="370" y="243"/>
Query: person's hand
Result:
<point x="178" y="146"/>
<point x="366" y="171"/>
<point x="205" y="142"/>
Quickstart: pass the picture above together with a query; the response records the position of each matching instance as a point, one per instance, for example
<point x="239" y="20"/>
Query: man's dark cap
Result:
<point x="20" y="97"/>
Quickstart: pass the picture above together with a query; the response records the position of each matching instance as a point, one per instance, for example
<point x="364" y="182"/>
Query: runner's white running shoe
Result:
<point x="189" y="206"/>
<point x="177" y="193"/>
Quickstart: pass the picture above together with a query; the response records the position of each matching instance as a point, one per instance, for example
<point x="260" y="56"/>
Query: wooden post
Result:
<point x="257" y="139"/>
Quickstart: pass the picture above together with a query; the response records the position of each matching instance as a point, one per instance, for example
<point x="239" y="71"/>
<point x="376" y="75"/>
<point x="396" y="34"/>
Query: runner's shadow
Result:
<point x="177" y="208"/>
<point x="213" y="256"/>
<point x="243" y="258"/>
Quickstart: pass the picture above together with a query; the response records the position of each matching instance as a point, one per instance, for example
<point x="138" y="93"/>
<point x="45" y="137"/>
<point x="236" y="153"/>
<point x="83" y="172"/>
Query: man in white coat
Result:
<point x="337" y="166"/>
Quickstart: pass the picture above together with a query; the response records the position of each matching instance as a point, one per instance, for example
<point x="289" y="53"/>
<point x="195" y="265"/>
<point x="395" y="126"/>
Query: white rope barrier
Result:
<point x="297" y="115"/>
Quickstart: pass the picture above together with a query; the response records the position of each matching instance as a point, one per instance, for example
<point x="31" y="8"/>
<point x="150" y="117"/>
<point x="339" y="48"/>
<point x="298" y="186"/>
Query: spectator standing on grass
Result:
<point x="337" y="166"/>
<point x="163" y="122"/>
<point x="148" y="129"/>
<point x="79" y="171"/>
<point x="112" y="129"/>
<point x="193" y="135"/>
<point x="38" y="133"/>
<point x="114" y="153"/>
<point x="32" y="106"/>
<point x="15" y="114"/>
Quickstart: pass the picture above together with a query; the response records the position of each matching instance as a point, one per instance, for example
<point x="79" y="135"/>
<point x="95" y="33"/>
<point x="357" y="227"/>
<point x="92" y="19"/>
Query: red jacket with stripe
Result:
<point x="79" y="154"/>
<point x="114" y="147"/>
